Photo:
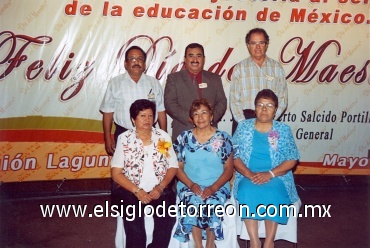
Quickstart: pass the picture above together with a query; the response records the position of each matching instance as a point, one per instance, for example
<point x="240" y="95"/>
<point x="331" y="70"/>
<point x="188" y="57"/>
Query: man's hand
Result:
<point x="110" y="146"/>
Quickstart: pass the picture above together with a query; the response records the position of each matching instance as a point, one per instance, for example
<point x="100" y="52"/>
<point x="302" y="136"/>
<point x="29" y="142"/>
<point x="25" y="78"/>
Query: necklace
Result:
<point x="202" y="137"/>
<point x="144" y="136"/>
<point x="146" y="149"/>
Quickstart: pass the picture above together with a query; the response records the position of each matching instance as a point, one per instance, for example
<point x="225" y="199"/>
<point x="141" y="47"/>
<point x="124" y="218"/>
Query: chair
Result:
<point x="286" y="232"/>
<point x="228" y="226"/>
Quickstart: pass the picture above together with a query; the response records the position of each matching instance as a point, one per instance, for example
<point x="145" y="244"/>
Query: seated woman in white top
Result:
<point x="143" y="165"/>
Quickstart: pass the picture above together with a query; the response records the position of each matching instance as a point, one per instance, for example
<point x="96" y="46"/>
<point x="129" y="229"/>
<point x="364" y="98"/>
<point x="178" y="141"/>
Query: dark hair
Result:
<point x="256" y="31"/>
<point x="140" y="105"/>
<point x="134" y="48"/>
<point x="197" y="104"/>
<point x="267" y="94"/>
<point x="194" y="45"/>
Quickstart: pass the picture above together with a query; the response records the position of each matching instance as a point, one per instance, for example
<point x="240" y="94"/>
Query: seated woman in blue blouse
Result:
<point x="265" y="154"/>
<point x="205" y="168"/>
<point x="143" y="165"/>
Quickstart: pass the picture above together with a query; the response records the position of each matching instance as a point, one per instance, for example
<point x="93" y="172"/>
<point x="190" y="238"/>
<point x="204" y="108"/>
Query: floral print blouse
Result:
<point x="129" y="155"/>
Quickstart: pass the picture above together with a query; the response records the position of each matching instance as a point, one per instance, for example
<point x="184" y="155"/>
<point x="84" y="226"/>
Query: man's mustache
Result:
<point x="136" y="66"/>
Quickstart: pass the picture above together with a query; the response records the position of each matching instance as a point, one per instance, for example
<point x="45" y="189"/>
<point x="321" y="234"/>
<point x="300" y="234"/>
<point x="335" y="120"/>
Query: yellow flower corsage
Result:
<point x="163" y="147"/>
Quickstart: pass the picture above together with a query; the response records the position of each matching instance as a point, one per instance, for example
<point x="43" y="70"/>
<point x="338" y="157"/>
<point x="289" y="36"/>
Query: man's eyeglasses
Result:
<point x="138" y="59"/>
<point x="268" y="106"/>
<point x="261" y="43"/>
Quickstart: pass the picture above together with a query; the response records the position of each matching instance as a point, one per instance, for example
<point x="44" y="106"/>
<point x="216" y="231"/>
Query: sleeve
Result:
<point x="118" y="156"/>
<point x="107" y="105"/>
<point x="179" y="147"/>
<point x="172" y="160"/>
<point x="159" y="97"/>
<point x="282" y="93"/>
<point x="220" y="103"/>
<point x="173" y="163"/>
<point x="234" y="95"/>
<point x="227" y="148"/>
<point x="235" y="141"/>
<point x="173" y="108"/>
<point x="290" y="148"/>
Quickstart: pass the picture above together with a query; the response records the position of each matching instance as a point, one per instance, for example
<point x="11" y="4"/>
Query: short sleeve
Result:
<point x="227" y="147"/>
<point x="118" y="156"/>
<point x="179" y="146"/>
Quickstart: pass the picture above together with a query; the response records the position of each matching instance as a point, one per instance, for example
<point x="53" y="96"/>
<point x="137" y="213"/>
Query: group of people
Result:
<point x="199" y="157"/>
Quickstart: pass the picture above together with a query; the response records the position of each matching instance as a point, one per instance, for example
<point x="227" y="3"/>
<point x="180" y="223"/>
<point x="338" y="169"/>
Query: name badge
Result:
<point x="269" y="78"/>
<point x="202" y="85"/>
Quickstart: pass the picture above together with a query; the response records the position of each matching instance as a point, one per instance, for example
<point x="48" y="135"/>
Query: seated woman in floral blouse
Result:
<point x="143" y="165"/>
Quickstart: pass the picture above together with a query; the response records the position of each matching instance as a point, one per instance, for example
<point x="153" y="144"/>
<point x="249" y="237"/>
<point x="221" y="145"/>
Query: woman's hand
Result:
<point x="143" y="197"/>
<point x="208" y="191"/>
<point x="156" y="192"/>
<point x="195" y="188"/>
<point x="261" y="177"/>
<point x="250" y="175"/>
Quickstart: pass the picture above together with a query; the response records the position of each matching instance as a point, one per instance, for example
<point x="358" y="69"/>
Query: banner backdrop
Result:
<point x="56" y="58"/>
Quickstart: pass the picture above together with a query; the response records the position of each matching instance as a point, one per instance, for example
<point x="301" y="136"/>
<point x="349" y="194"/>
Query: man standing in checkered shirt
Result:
<point x="253" y="74"/>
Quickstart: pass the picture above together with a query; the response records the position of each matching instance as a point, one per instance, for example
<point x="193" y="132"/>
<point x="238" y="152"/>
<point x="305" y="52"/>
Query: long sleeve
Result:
<point x="282" y="94"/>
<point x="171" y="102"/>
<point x="235" y="96"/>
<point x="220" y="103"/>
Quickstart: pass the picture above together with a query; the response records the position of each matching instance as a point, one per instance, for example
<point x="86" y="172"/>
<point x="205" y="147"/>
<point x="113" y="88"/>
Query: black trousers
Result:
<point x="118" y="131"/>
<point x="248" y="114"/>
<point x="135" y="225"/>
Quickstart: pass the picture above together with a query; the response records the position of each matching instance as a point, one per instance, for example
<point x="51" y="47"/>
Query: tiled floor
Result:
<point x="22" y="224"/>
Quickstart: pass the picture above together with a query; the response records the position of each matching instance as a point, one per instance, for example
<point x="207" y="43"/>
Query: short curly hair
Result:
<point x="267" y="94"/>
<point x="140" y="105"/>
<point x="197" y="104"/>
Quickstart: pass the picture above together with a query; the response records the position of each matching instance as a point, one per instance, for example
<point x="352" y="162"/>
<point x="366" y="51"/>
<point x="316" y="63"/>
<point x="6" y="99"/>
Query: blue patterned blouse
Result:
<point x="282" y="148"/>
<point x="203" y="163"/>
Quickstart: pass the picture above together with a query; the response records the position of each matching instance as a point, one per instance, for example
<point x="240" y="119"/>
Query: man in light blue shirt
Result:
<point x="123" y="90"/>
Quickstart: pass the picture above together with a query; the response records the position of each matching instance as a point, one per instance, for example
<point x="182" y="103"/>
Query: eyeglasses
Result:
<point x="138" y="59"/>
<point x="268" y="106"/>
<point x="254" y="43"/>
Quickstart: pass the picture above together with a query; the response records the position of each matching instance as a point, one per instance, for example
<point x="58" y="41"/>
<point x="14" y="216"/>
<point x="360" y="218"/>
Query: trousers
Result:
<point x="133" y="219"/>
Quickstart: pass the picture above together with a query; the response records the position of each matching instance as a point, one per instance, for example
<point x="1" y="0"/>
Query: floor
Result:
<point x="22" y="224"/>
